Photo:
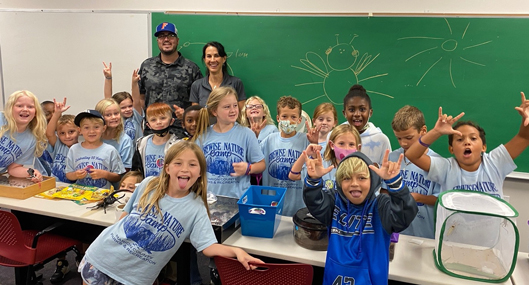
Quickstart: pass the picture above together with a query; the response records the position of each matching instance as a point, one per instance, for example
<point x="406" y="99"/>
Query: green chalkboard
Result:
<point x="475" y="65"/>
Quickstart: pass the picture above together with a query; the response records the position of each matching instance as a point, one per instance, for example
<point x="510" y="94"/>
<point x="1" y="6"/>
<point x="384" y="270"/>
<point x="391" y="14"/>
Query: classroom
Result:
<point x="56" y="48"/>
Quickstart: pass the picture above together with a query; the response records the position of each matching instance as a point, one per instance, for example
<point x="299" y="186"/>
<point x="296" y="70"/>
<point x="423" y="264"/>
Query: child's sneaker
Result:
<point x="61" y="270"/>
<point x="214" y="275"/>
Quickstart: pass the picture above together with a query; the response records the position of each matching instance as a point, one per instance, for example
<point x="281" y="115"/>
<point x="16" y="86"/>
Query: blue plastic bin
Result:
<point x="259" y="214"/>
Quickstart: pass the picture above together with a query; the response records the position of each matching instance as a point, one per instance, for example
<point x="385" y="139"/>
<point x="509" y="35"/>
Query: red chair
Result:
<point x="232" y="272"/>
<point x="27" y="251"/>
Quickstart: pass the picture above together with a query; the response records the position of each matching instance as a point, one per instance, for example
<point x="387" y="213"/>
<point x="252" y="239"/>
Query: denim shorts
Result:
<point x="92" y="276"/>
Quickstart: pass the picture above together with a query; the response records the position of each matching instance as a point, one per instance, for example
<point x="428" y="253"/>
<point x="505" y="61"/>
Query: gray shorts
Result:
<point x="92" y="276"/>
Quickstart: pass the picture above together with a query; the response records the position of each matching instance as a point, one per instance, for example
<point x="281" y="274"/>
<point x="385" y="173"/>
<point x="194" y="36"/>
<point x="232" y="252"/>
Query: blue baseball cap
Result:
<point x="166" y="27"/>
<point x="87" y="114"/>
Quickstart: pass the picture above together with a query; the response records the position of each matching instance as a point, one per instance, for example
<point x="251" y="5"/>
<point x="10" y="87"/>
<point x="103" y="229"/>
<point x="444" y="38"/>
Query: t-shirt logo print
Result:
<point x="150" y="233"/>
<point x="280" y="162"/>
<point x="221" y="156"/>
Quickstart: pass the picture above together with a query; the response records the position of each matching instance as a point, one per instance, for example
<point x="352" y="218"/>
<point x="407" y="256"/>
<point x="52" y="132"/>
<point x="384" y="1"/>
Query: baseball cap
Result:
<point x="166" y="27"/>
<point x="89" y="113"/>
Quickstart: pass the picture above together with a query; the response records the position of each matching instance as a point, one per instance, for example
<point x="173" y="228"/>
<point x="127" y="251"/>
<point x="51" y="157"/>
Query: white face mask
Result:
<point x="287" y="127"/>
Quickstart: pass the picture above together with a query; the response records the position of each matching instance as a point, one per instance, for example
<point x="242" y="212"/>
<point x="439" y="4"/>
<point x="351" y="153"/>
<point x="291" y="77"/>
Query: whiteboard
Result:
<point x="57" y="55"/>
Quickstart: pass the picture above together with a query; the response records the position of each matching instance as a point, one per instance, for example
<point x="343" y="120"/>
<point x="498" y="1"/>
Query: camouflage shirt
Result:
<point x="168" y="83"/>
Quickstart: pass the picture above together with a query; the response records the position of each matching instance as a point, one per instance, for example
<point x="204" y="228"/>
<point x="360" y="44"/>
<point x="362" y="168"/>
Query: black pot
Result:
<point x="309" y="232"/>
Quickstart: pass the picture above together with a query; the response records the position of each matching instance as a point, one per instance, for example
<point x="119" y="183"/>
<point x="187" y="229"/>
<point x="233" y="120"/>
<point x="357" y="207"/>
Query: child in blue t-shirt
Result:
<point x="281" y="150"/>
<point x="162" y="213"/>
<point x="408" y="125"/>
<point x="114" y="133"/>
<point x="131" y="109"/>
<point x="231" y="150"/>
<point x="62" y="127"/>
<point x="22" y="135"/>
<point x="471" y="168"/>
<point x="150" y="149"/>
<point x="93" y="162"/>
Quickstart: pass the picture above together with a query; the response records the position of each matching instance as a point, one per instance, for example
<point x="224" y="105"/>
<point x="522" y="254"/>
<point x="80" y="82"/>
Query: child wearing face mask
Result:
<point x="150" y="150"/>
<point x="357" y="110"/>
<point x="343" y="141"/>
<point x="281" y="150"/>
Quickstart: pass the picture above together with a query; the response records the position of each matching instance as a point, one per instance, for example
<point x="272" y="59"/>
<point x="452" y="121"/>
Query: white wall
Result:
<point x="315" y="6"/>
<point x="56" y="55"/>
<point x="114" y="49"/>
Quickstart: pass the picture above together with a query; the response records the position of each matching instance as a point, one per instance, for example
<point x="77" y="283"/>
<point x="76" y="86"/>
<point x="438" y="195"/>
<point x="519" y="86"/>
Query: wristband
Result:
<point x="422" y="143"/>
<point x="108" y="77"/>
<point x="248" y="169"/>
<point x="295" y="173"/>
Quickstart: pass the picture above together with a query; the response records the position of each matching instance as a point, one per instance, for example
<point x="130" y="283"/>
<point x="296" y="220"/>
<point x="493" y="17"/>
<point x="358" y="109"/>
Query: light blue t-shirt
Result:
<point x="136" y="248"/>
<point x="154" y="158"/>
<point x="58" y="167"/>
<point x="281" y="153"/>
<point x="21" y="150"/>
<point x="132" y="127"/>
<point x="222" y="150"/>
<point x="415" y="179"/>
<point x="124" y="147"/>
<point x="488" y="178"/>
<point x="268" y="129"/>
<point x="105" y="157"/>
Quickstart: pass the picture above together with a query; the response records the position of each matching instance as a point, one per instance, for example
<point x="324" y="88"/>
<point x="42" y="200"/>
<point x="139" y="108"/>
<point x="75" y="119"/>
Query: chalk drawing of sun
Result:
<point x="339" y="71"/>
<point x="449" y="45"/>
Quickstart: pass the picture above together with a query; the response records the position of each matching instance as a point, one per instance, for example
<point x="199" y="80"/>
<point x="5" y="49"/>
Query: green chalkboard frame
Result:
<point x="475" y="65"/>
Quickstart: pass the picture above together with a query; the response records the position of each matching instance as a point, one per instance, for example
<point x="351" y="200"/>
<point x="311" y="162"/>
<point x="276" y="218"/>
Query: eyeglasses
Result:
<point x="256" y="106"/>
<point x="163" y="36"/>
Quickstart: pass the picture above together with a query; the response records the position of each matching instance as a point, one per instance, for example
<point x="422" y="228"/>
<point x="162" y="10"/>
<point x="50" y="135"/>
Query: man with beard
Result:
<point x="168" y="77"/>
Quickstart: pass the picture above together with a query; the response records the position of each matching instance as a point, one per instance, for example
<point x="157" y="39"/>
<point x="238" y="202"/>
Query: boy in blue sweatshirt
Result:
<point x="359" y="223"/>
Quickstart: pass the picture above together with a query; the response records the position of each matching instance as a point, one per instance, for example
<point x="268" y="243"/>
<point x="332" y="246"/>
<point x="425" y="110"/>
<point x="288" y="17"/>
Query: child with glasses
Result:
<point x="256" y="115"/>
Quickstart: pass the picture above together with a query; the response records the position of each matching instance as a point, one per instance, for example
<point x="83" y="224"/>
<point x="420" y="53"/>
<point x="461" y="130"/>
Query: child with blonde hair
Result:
<point x="343" y="141"/>
<point x="114" y="134"/>
<point x="22" y="135"/>
<point x="325" y="118"/>
<point x="232" y="151"/>
<point x="162" y="213"/>
<point x="131" y="109"/>
<point x="255" y="114"/>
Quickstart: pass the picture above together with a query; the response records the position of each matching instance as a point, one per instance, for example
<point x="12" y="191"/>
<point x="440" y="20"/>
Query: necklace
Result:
<point x="406" y="163"/>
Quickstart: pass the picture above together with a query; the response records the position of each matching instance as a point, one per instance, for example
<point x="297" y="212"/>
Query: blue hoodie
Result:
<point x="358" y="251"/>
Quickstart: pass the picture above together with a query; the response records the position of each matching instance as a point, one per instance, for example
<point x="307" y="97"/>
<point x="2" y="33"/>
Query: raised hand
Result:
<point x="312" y="133"/>
<point x="312" y="149"/>
<point x="179" y="112"/>
<point x="257" y="124"/>
<point x="314" y="165"/>
<point x="444" y="123"/>
<point x="60" y="107"/>
<point x="389" y="169"/>
<point x="107" y="70"/>
<point x="135" y="76"/>
<point x="524" y="110"/>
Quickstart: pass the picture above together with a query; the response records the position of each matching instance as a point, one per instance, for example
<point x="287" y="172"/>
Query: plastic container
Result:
<point x="260" y="210"/>
<point x="309" y="232"/>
